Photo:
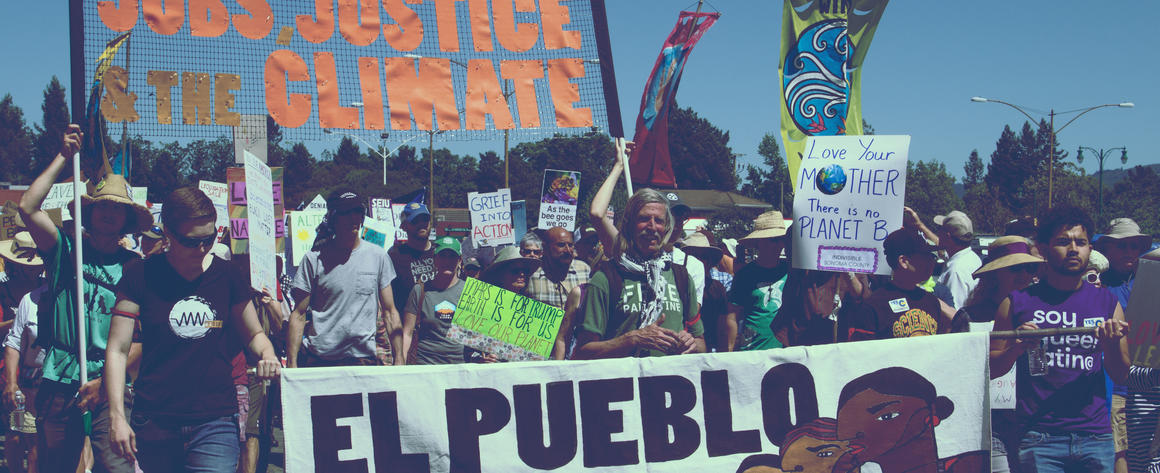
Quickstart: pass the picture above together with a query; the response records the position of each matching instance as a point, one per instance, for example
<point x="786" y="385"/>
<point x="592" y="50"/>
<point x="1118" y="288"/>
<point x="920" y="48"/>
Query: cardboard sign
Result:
<point x="397" y="213"/>
<point x="381" y="210"/>
<point x="1142" y="316"/>
<point x="140" y="196"/>
<point x="318" y="203"/>
<point x="239" y="223"/>
<point x="261" y="220"/>
<point x="218" y="192"/>
<point x="60" y="196"/>
<point x="491" y="218"/>
<point x="497" y="321"/>
<point x="303" y="230"/>
<point x="559" y="199"/>
<point x="1003" y="387"/>
<point x="378" y="232"/>
<point x="849" y="196"/>
<point x="810" y="409"/>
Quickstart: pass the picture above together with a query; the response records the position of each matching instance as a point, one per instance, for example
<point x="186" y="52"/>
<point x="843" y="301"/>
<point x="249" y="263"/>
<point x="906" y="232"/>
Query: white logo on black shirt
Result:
<point x="192" y="318"/>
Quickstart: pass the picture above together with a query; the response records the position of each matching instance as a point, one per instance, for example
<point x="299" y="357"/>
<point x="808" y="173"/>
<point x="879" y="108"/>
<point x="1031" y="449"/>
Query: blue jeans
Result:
<point x="211" y="446"/>
<point x="1045" y="453"/>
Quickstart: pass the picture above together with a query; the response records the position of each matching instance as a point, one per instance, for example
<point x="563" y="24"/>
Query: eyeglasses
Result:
<point x="194" y="242"/>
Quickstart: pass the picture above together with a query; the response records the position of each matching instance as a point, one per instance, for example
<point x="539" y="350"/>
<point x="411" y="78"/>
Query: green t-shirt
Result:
<point x="59" y="332"/>
<point x="757" y="291"/>
<point x="597" y="311"/>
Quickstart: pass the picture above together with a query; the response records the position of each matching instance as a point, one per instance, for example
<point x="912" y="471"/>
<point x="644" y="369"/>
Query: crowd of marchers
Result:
<point x="179" y="349"/>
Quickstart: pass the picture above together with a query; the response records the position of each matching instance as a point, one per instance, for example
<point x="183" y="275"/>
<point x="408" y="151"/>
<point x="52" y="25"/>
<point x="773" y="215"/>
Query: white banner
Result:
<point x="260" y="208"/>
<point x="850" y="194"/>
<point x="218" y="192"/>
<point x="491" y="218"/>
<point x="827" y="408"/>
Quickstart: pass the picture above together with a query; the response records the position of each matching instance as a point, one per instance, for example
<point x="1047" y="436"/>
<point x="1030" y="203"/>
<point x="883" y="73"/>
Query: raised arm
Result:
<point x="39" y="224"/>
<point x="605" y="228"/>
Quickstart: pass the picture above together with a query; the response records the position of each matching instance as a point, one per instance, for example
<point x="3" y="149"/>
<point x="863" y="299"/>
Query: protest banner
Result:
<point x="491" y="218"/>
<point x="500" y="322"/>
<point x="303" y="230"/>
<point x="239" y="225"/>
<point x="381" y="210"/>
<point x="1142" y="316"/>
<point x="1002" y="388"/>
<point x="849" y="196"/>
<point x="301" y="62"/>
<point x="260" y="224"/>
<point x="397" y="212"/>
<point x="559" y="199"/>
<point x="378" y="232"/>
<point x="60" y="196"/>
<point x="868" y="402"/>
<point x="218" y="193"/>
<point x="519" y="219"/>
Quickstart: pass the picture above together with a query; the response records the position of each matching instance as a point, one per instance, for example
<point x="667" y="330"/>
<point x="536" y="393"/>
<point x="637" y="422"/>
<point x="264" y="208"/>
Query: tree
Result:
<point x="490" y="174"/>
<point x="591" y="154"/>
<point x="54" y="121"/>
<point x="973" y="171"/>
<point x="770" y="182"/>
<point x="930" y="189"/>
<point x="700" y="152"/>
<point x="15" y="143"/>
<point x="275" y="153"/>
<point x="732" y="222"/>
<point x="299" y="171"/>
<point x="348" y="152"/>
<point x="208" y="160"/>
<point x="1137" y="196"/>
<point x="1009" y="171"/>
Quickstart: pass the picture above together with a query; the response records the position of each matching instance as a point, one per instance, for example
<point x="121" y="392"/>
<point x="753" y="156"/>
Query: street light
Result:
<point x="1051" y="149"/>
<point x="1102" y="154"/>
<point x="382" y="154"/>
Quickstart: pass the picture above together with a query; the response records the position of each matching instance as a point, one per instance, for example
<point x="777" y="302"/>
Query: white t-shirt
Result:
<point x="695" y="268"/>
<point x="22" y="336"/>
<point x="957" y="277"/>
<point x="344" y="299"/>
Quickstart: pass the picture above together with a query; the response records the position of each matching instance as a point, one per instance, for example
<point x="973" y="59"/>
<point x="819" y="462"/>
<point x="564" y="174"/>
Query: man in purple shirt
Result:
<point x="1061" y="403"/>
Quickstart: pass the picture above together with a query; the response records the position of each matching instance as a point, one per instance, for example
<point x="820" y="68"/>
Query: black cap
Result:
<point x="675" y="204"/>
<point x="343" y="200"/>
<point x="905" y="242"/>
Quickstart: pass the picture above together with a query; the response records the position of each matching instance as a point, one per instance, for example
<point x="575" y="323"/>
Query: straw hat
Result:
<point x="767" y="225"/>
<point x="1124" y="228"/>
<point x="1007" y="251"/>
<point x="1152" y="255"/>
<point x="114" y="188"/>
<point x="697" y="245"/>
<point x="508" y="256"/>
<point x="21" y="250"/>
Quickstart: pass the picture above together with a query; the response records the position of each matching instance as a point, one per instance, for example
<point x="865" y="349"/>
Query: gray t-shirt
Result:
<point x="435" y="311"/>
<point x="344" y="299"/>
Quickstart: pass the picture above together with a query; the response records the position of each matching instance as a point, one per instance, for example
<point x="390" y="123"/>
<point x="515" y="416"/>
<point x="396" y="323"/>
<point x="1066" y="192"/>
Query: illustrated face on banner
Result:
<point x="815" y="447"/>
<point x="884" y="412"/>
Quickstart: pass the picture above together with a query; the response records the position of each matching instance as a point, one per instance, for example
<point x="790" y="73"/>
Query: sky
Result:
<point x="927" y="59"/>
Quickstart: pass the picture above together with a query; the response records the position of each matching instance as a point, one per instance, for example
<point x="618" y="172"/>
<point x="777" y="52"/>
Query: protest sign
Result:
<point x="1142" y="316"/>
<point x="239" y="225"/>
<point x="60" y="196"/>
<point x="1003" y="387"/>
<point x="381" y="210"/>
<point x="559" y="199"/>
<point x="218" y="193"/>
<point x="318" y="203"/>
<point x="303" y="230"/>
<point x="378" y="232"/>
<point x="260" y="223"/>
<point x="519" y="219"/>
<point x="849" y="196"/>
<point x="10" y="225"/>
<point x="302" y="63"/>
<point x="875" y="401"/>
<point x="140" y="195"/>
<point x="491" y="218"/>
<point x="397" y="212"/>
<point x="500" y="322"/>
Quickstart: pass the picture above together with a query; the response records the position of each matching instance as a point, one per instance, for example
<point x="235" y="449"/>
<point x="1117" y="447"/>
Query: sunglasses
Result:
<point x="191" y="242"/>
<point x="1092" y="278"/>
<point x="524" y="252"/>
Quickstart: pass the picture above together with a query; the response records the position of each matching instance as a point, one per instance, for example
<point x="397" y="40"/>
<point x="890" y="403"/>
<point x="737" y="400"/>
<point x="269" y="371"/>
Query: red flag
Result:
<point x="650" y="161"/>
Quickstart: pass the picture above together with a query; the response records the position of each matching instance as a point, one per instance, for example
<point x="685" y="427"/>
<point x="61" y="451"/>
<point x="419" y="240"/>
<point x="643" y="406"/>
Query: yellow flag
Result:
<point x="823" y="45"/>
<point x="105" y="60"/>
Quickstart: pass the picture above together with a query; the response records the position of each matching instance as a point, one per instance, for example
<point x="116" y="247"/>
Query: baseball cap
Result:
<point x="414" y="210"/>
<point x="343" y="200"/>
<point x="957" y="223"/>
<point x="906" y="241"/>
<point x="447" y="243"/>
<point x="675" y="203"/>
<point x="471" y="262"/>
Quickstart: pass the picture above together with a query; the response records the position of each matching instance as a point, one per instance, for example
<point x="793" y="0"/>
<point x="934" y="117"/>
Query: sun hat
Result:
<point x="1007" y="251"/>
<point x="114" y="188"/>
<point x="1152" y="255"/>
<point x="21" y="249"/>
<point x="767" y="225"/>
<point x="508" y="256"/>
<point x="730" y="246"/>
<point x="1124" y="228"/>
<point x="698" y="245"/>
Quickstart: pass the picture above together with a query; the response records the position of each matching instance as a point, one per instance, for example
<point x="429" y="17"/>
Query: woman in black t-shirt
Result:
<point x="196" y="316"/>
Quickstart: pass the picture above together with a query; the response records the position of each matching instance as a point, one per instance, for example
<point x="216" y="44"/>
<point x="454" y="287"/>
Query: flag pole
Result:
<point x="82" y="346"/>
